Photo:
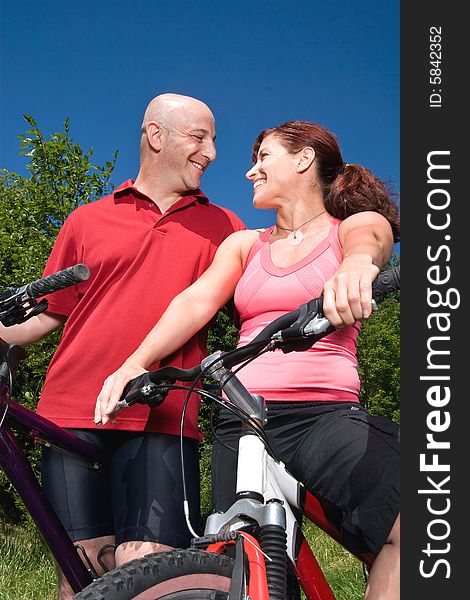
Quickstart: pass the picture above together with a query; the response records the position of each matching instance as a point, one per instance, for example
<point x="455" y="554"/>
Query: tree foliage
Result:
<point x="33" y="208"/>
<point x="379" y="360"/>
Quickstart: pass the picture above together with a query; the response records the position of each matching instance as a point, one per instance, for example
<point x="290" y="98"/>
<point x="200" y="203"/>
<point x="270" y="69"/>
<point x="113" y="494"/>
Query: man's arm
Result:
<point x="367" y="242"/>
<point x="32" y="330"/>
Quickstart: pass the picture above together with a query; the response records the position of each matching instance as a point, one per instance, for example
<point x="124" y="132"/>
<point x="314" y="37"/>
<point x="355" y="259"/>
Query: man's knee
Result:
<point x="128" y="551"/>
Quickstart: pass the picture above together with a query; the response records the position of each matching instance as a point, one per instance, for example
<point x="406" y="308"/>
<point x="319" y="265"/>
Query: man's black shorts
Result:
<point x="138" y="498"/>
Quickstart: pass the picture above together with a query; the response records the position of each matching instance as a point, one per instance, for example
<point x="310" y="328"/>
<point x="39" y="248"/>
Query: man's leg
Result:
<point x="147" y="492"/>
<point x="127" y="551"/>
<point x="92" y="548"/>
<point x="80" y="497"/>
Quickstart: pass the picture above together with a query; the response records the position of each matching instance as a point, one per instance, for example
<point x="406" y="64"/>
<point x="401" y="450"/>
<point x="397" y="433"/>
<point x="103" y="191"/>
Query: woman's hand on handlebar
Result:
<point x="347" y="296"/>
<point x="112" y="390"/>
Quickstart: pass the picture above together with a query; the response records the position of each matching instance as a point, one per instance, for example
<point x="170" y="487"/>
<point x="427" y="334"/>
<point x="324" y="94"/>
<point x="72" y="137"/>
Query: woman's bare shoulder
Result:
<point x="245" y="237"/>
<point x="241" y="242"/>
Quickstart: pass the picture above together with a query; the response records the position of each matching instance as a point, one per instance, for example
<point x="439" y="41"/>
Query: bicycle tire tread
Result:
<point x="136" y="576"/>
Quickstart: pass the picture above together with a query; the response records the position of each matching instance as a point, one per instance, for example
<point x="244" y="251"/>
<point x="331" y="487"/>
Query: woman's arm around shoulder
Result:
<point x="367" y="242"/>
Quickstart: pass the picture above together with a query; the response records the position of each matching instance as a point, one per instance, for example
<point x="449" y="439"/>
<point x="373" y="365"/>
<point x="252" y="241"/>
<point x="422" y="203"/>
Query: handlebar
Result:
<point x="386" y="282"/>
<point x="58" y="281"/>
<point x="19" y="304"/>
<point x="294" y="331"/>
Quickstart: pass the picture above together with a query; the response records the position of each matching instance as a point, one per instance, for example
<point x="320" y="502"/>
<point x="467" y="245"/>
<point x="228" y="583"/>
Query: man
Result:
<point x="143" y="244"/>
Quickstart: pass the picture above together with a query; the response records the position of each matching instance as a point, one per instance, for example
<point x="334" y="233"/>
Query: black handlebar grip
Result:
<point x="386" y="281"/>
<point x="58" y="281"/>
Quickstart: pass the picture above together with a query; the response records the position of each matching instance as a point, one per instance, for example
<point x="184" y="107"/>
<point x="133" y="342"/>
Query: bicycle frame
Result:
<point x="21" y="475"/>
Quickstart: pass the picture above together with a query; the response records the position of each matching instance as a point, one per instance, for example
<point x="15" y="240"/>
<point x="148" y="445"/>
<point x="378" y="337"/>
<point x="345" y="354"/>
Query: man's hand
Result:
<point x="111" y="391"/>
<point x="347" y="296"/>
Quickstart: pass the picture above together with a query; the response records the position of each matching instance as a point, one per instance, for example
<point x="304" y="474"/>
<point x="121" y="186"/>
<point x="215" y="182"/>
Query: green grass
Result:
<point x="343" y="571"/>
<point x="27" y="570"/>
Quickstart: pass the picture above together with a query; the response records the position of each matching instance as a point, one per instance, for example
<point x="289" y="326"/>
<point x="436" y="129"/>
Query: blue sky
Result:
<point x="256" y="64"/>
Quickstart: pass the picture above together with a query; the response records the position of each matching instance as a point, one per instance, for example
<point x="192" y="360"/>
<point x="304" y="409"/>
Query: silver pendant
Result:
<point x="294" y="238"/>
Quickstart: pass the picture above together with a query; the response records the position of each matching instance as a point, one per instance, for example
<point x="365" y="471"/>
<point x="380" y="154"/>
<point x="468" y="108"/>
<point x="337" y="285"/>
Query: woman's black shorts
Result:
<point x="347" y="458"/>
<point x="138" y="498"/>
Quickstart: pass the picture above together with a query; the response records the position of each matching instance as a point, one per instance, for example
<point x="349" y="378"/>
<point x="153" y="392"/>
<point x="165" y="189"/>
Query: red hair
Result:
<point x="347" y="189"/>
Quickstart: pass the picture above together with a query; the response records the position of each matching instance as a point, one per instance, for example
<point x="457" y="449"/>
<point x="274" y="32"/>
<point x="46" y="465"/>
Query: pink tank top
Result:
<point x="328" y="371"/>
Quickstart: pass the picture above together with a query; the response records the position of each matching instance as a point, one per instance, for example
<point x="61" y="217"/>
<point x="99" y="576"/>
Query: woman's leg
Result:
<point x="384" y="578"/>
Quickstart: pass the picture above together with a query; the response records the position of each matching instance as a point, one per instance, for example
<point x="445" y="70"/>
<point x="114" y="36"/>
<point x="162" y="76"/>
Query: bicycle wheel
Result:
<point x="175" y="575"/>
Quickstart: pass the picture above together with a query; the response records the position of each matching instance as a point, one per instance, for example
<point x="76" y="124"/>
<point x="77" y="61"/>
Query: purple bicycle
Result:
<point x="16" y="306"/>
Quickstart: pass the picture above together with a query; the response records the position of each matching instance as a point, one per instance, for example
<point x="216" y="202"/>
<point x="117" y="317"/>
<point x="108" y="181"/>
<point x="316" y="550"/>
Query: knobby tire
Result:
<point x="175" y="575"/>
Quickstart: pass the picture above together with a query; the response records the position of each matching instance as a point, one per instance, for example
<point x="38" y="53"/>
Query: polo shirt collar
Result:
<point x="127" y="188"/>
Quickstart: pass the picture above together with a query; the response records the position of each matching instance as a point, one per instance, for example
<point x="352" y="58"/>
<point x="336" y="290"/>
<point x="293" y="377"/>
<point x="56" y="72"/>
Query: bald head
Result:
<point x="177" y="145"/>
<point x="171" y="109"/>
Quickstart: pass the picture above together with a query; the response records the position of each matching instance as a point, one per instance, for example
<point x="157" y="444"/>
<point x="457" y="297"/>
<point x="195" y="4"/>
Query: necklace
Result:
<point x="295" y="236"/>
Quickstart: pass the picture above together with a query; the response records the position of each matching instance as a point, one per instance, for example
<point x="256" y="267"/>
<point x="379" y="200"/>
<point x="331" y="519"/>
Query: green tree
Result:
<point x="223" y="335"/>
<point x="60" y="178"/>
<point x="379" y="360"/>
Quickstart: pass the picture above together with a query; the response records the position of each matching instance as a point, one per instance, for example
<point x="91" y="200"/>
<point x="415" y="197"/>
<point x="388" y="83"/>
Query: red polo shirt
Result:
<point x="139" y="260"/>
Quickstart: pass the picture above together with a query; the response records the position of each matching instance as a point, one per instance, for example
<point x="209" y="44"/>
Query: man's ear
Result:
<point x="306" y="158"/>
<point x="154" y="135"/>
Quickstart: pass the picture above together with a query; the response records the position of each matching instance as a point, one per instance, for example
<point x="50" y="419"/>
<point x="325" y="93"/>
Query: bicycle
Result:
<point x="267" y="494"/>
<point x="16" y="306"/>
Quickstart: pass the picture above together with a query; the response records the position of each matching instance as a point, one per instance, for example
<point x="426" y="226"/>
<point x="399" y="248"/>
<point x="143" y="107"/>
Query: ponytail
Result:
<point x="355" y="190"/>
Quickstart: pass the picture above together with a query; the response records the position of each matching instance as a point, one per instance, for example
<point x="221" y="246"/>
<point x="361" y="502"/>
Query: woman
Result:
<point x="334" y="230"/>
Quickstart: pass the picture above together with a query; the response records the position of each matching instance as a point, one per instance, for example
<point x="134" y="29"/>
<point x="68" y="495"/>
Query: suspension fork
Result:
<point x="258" y="583"/>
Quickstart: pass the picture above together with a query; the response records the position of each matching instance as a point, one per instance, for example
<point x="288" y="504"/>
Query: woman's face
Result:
<point x="273" y="174"/>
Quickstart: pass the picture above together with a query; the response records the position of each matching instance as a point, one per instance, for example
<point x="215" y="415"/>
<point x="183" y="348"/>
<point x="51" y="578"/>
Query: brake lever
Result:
<point x="141" y="390"/>
<point x="17" y="306"/>
<point x="309" y="327"/>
